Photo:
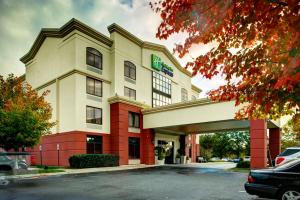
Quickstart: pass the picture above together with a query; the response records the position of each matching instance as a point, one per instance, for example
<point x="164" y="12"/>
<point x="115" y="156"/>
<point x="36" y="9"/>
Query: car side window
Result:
<point x="295" y="169"/>
<point x="289" y="152"/>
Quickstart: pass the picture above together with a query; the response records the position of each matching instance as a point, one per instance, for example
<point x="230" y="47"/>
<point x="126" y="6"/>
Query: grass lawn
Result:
<point x="49" y="169"/>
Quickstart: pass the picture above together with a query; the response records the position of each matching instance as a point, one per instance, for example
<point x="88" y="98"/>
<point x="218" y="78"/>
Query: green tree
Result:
<point x="24" y="115"/>
<point x="289" y="138"/>
<point x="206" y="144"/>
<point x="239" y="143"/>
<point x="222" y="145"/>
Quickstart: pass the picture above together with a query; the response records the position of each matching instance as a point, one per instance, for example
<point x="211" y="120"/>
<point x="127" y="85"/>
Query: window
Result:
<point x="93" y="58"/>
<point x="93" y="115"/>
<point x="194" y="97"/>
<point x="93" y="86"/>
<point x="184" y="94"/>
<point x="93" y="144"/>
<point x="134" y="147"/>
<point x="129" y="70"/>
<point x="134" y="120"/>
<point x="289" y="152"/>
<point x="129" y="93"/>
<point x="161" y="90"/>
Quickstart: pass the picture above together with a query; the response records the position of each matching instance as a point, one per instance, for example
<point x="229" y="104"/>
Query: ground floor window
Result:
<point x="134" y="147"/>
<point x="93" y="144"/>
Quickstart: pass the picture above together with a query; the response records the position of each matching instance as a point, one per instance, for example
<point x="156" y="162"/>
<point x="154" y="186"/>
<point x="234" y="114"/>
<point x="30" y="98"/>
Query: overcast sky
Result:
<point x="21" y="21"/>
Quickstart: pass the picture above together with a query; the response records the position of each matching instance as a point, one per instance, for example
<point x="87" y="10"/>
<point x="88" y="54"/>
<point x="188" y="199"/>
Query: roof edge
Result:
<point x="148" y="45"/>
<point x="197" y="89"/>
<point x="71" y="25"/>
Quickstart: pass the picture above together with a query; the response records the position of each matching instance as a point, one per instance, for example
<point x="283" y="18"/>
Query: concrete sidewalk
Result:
<point x="78" y="171"/>
<point x="214" y="165"/>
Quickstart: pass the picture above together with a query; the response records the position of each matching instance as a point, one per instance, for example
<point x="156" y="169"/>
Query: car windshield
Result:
<point x="288" y="164"/>
<point x="289" y="152"/>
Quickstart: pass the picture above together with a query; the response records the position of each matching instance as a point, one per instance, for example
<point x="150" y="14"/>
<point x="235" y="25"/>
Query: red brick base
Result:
<point x="70" y="143"/>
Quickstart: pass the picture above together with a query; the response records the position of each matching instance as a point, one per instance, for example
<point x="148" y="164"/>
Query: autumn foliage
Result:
<point x="257" y="51"/>
<point x="24" y="115"/>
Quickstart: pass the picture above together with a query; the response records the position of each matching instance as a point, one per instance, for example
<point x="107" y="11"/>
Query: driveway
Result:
<point x="165" y="182"/>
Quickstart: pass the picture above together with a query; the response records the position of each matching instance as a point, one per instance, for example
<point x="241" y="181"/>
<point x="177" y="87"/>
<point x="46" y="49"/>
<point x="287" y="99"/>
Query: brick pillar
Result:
<point x="258" y="143"/>
<point x="119" y="131"/>
<point x="147" y="147"/>
<point x="274" y="142"/>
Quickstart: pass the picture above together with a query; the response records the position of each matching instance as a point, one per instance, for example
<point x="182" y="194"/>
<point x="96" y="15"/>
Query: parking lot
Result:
<point x="164" y="182"/>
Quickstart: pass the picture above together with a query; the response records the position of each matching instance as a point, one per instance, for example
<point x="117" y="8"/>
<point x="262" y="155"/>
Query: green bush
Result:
<point x="93" y="160"/>
<point x="243" y="164"/>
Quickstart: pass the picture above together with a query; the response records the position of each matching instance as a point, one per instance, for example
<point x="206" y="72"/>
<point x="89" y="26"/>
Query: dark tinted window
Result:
<point x="93" y="58"/>
<point x="289" y="152"/>
<point x="289" y="165"/>
<point x="134" y="120"/>
<point x="134" y="147"/>
<point x="129" y="70"/>
<point x="93" y="144"/>
<point x="93" y="86"/>
<point x="93" y="115"/>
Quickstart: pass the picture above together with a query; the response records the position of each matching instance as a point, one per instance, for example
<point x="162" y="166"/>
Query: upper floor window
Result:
<point x="129" y="70"/>
<point x="134" y="120"/>
<point x="93" y="86"/>
<point x="131" y="93"/>
<point x="93" y="115"/>
<point x="93" y="57"/>
<point x="184" y="94"/>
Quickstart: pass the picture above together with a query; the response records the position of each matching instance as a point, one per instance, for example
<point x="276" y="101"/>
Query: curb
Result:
<point x="49" y="175"/>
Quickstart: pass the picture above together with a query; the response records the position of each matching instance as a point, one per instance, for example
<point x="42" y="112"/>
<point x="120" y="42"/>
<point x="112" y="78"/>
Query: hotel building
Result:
<point x="100" y="88"/>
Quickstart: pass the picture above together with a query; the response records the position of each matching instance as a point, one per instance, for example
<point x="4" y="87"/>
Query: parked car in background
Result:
<point x="247" y="158"/>
<point x="7" y="163"/>
<point x="287" y="155"/>
<point x="236" y="160"/>
<point x="281" y="182"/>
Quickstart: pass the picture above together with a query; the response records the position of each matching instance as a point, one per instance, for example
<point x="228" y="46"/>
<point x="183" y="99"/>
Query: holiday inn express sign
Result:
<point x="158" y="65"/>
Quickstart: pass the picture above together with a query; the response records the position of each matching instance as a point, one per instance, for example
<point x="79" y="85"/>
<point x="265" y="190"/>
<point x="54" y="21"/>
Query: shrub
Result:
<point x="243" y="164"/>
<point x="93" y="160"/>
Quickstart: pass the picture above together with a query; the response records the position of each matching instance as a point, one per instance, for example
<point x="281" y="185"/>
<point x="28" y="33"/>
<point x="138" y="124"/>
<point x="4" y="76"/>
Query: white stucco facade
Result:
<point x="59" y="65"/>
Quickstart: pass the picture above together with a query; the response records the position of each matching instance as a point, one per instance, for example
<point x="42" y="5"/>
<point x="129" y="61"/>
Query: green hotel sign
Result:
<point x="158" y="65"/>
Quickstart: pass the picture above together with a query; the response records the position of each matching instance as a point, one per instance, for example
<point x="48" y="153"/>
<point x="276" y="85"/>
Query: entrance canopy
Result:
<point x="197" y="116"/>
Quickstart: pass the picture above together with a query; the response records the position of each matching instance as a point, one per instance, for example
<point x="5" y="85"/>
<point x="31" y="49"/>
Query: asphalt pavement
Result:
<point x="163" y="182"/>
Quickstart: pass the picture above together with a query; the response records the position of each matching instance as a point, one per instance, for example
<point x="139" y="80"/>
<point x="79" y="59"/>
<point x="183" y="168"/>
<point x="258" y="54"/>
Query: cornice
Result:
<point x="73" y="24"/>
<point x="121" y="99"/>
<point x="147" y="45"/>
<point x="195" y="88"/>
<point x="179" y="105"/>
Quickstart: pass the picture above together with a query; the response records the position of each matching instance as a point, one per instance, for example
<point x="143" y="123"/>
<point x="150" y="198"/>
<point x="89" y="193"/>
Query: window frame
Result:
<point x="130" y="90"/>
<point x="97" y="54"/>
<point x="130" y="66"/>
<point x="94" y="87"/>
<point x="184" y="95"/>
<point x="161" y="90"/>
<point x="134" y="115"/>
<point x="94" y="114"/>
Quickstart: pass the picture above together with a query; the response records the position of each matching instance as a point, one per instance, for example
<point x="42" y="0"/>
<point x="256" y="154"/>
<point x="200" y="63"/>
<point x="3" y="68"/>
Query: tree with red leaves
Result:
<point x="257" y="52"/>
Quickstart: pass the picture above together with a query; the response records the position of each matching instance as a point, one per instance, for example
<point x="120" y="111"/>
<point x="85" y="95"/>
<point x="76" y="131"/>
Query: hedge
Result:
<point x="93" y="160"/>
<point x="243" y="164"/>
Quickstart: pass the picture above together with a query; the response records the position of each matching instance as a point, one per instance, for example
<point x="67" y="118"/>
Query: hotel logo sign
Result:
<point x="158" y="65"/>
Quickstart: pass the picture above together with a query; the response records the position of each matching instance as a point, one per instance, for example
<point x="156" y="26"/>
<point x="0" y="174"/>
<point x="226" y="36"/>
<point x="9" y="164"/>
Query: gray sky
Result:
<point x="21" y="21"/>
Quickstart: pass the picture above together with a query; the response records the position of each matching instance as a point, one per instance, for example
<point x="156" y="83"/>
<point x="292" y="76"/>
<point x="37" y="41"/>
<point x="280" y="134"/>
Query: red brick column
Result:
<point x="274" y="142"/>
<point x="258" y="143"/>
<point x="147" y="147"/>
<point x="119" y="131"/>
